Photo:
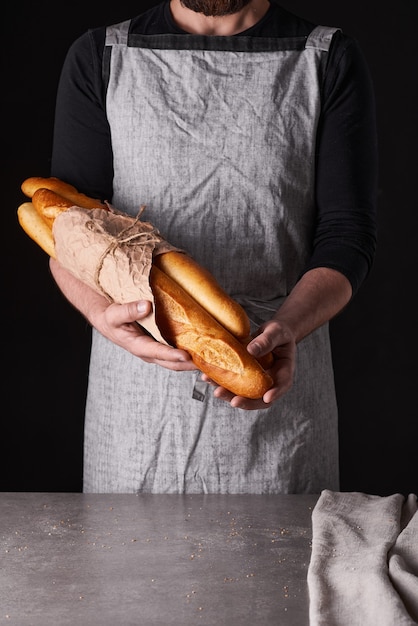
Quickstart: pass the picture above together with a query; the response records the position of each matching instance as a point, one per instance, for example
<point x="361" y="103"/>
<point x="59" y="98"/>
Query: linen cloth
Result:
<point x="364" y="562"/>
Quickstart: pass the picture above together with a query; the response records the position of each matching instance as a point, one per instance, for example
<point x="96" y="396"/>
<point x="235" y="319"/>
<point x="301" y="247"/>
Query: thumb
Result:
<point x="133" y="311"/>
<point x="259" y="346"/>
<point x="265" y="341"/>
<point x="143" y="308"/>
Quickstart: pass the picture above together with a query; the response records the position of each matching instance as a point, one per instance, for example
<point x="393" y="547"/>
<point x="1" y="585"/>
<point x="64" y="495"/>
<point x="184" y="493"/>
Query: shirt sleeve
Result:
<point x="82" y="149"/>
<point x="346" y="167"/>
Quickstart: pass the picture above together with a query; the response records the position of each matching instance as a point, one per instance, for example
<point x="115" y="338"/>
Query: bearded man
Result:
<point x="249" y="133"/>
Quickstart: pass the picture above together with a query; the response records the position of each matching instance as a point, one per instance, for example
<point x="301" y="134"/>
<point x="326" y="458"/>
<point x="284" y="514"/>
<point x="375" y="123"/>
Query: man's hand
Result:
<point x="277" y="338"/>
<point x="317" y="297"/>
<point x="118" y="322"/>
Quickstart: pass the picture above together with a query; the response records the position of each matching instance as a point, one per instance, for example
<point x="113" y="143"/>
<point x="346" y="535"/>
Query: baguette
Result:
<point x="67" y="191"/>
<point x="36" y="227"/>
<point x="215" y="351"/>
<point x="199" y="283"/>
<point x="192" y="311"/>
<point x="49" y="204"/>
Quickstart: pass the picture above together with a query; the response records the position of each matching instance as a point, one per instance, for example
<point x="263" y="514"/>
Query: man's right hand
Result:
<point x="118" y="322"/>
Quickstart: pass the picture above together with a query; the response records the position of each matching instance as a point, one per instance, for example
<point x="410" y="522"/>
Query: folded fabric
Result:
<point x="364" y="561"/>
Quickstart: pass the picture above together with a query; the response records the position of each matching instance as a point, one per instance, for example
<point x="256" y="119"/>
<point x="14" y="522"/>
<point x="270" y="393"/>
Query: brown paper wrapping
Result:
<point x="112" y="253"/>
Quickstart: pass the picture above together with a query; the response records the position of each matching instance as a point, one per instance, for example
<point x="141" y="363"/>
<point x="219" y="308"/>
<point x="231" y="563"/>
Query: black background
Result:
<point x="46" y="342"/>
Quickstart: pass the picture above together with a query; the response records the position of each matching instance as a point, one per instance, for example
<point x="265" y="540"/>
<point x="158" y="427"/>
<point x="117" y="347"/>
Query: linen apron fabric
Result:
<point x="216" y="136"/>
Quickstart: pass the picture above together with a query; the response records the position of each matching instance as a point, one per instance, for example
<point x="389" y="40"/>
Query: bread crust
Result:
<point x="67" y="191"/>
<point x="187" y="325"/>
<point x="36" y="227"/>
<point x="49" y="204"/>
<point x="192" y="311"/>
<point x="199" y="283"/>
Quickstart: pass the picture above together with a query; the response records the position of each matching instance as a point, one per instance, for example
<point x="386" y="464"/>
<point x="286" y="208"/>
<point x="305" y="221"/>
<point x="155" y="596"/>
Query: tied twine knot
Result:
<point x="130" y="236"/>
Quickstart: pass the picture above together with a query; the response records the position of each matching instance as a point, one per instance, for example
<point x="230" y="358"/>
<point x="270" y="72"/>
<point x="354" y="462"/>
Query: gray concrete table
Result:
<point x="154" y="560"/>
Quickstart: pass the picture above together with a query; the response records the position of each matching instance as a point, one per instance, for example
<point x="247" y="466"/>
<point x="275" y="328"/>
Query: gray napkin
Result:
<point x="364" y="562"/>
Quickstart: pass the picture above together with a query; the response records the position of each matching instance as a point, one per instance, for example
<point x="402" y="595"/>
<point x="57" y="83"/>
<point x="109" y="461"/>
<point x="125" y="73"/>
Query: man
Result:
<point x="249" y="134"/>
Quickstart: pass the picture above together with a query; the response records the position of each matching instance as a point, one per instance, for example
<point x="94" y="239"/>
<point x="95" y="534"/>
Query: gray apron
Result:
<point x="216" y="136"/>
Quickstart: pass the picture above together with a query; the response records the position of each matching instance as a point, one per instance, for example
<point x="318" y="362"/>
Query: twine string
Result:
<point x="125" y="237"/>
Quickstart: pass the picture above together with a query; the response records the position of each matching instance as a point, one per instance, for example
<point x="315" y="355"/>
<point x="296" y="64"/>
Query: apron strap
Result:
<point x="117" y="34"/>
<point x="321" y="37"/>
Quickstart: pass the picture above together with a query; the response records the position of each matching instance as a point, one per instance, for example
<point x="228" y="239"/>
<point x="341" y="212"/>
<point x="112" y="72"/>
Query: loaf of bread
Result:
<point x="36" y="227"/>
<point x="200" y="284"/>
<point x="49" y="197"/>
<point x="49" y="204"/>
<point x="192" y="311"/>
<point x="214" y="350"/>
<point x="65" y="190"/>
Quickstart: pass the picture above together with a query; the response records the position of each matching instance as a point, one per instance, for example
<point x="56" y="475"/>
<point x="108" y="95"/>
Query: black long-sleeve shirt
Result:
<point x="346" y="146"/>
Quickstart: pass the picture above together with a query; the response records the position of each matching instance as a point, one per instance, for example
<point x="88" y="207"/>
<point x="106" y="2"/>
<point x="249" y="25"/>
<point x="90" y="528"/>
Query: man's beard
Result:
<point x="215" y="8"/>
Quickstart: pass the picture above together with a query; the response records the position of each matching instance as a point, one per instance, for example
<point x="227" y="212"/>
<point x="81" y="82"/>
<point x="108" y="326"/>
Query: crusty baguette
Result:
<point x="37" y="217"/>
<point x="37" y="229"/>
<point x="194" y="278"/>
<point x="67" y="191"/>
<point x="198" y="317"/>
<point x="49" y="204"/>
<point x="185" y="324"/>
<point x="199" y="283"/>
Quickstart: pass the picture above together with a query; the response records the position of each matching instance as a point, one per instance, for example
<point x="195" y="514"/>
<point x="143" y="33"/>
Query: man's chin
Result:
<point x="215" y="8"/>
